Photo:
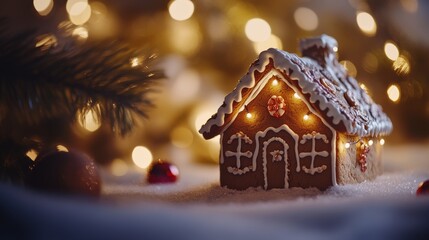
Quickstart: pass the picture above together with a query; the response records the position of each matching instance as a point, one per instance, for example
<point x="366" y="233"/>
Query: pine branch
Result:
<point x="45" y="78"/>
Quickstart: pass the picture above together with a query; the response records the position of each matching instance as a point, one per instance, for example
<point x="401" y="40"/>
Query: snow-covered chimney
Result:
<point x="322" y="49"/>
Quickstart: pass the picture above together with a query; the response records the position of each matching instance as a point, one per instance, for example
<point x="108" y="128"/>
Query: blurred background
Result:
<point x="204" y="47"/>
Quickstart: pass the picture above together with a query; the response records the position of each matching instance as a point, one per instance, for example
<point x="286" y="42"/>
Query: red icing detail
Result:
<point x="423" y="188"/>
<point x="276" y="106"/>
<point x="162" y="172"/>
<point x="363" y="152"/>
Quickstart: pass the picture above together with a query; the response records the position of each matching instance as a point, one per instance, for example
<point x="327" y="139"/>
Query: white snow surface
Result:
<point x="197" y="208"/>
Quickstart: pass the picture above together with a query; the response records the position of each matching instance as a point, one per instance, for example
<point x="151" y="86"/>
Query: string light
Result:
<point x="295" y="95"/>
<point x="275" y="82"/>
<point x="347" y="145"/>
<point x="366" y="23"/>
<point x="382" y="142"/>
<point x="181" y="10"/>
<point x="335" y="49"/>
<point x="306" y="117"/>
<point x="248" y="114"/>
<point x="257" y="30"/>
<point x="142" y="157"/>
<point x="370" y="142"/>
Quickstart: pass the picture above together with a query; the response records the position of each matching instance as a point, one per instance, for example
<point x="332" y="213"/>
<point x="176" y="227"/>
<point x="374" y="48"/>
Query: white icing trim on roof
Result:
<point x="282" y="61"/>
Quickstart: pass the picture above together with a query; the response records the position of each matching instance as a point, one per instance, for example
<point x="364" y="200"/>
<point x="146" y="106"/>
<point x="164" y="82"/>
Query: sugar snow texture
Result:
<point x="197" y="208"/>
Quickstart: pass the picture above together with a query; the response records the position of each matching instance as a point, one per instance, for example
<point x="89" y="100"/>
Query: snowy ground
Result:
<point x="197" y="208"/>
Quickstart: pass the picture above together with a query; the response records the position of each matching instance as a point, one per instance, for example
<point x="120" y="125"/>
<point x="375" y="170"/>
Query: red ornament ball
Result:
<point x="66" y="173"/>
<point x="162" y="172"/>
<point x="423" y="188"/>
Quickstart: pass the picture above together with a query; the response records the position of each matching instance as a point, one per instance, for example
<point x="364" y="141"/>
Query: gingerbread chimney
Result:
<point x="322" y="49"/>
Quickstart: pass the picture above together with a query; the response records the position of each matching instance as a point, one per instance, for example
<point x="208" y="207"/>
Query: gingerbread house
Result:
<point x="298" y="122"/>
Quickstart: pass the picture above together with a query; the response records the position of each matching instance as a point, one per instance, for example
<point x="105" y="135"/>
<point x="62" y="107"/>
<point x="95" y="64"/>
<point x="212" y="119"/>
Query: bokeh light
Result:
<point x="185" y="87"/>
<point x="272" y="42"/>
<point x="46" y="41"/>
<point x="142" y="157"/>
<point x="350" y="67"/>
<point x="182" y="137"/>
<point x="118" y="167"/>
<point x="382" y="141"/>
<point x="394" y="93"/>
<point x="136" y="61"/>
<point x="391" y="50"/>
<point x="184" y="37"/>
<point x="410" y="6"/>
<point x="80" y="32"/>
<point x="370" y="142"/>
<point x="257" y="30"/>
<point x="90" y="121"/>
<point x="43" y="7"/>
<point x="79" y="12"/>
<point x="181" y="10"/>
<point x="62" y="148"/>
<point x="366" y="23"/>
<point x="306" y="19"/>
<point x="32" y="154"/>
<point x="401" y="65"/>
<point x="370" y="63"/>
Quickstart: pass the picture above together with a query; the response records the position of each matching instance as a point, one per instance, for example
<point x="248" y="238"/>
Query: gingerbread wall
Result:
<point x="291" y="129"/>
<point x="349" y="168"/>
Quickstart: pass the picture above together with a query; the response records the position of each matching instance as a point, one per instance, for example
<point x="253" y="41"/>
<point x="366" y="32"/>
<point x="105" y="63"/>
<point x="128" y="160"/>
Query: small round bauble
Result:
<point x="66" y="173"/>
<point x="162" y="172"/>
<point x="423" y="188"/>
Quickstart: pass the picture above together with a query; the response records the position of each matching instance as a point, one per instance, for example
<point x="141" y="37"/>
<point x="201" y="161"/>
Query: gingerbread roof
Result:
<point x="324" y="83"/>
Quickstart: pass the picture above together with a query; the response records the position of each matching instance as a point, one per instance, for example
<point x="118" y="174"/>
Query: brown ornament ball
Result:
<point x="66" y="173"/>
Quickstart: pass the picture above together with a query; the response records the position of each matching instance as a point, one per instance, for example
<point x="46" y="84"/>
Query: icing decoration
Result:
<point x="277" y="155"/>
<point x="313" y="136"/>
<point x="262" y="134"/>
<point x="257" y="89"/>
<point x="363" y="151"/>
<point x="238" y="171"/>
<point x="316" y="169"/>
<point x="276" y="106"/>
<point x="238" y="154"/>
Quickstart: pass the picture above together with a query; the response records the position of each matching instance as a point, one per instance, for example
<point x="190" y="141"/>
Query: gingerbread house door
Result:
<point x="277" y="148"/>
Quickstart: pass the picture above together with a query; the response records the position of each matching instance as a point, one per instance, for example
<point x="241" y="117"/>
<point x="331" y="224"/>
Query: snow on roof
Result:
<point x="322" y="80"/>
